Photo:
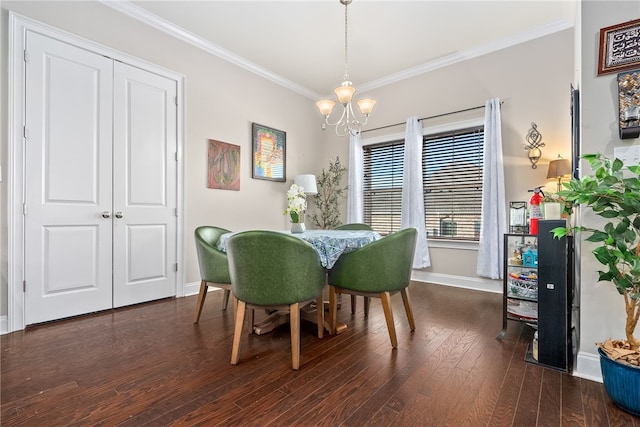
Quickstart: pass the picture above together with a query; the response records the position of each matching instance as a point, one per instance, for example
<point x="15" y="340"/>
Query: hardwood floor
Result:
<point x="148" y="365"/>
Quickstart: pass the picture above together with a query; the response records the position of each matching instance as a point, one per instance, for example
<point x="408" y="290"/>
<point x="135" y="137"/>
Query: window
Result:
<point x="382" y="186"/>
<point x="452" y="182"/>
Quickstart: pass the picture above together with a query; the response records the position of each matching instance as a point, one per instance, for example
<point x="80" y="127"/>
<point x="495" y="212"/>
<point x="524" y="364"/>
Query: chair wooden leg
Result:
<point x="320" y="313"/>
<point x="200" y="302"/>
<point x="294" y="321"/>
<point x="225" y="300"/>
<point x="237" y="333"/>
<point x="333" y="310"/>
<point x="388" y="315"/>
<point x="407" y="308"/>
<point x="353" y="304"/>
<point x="367" y="303"/>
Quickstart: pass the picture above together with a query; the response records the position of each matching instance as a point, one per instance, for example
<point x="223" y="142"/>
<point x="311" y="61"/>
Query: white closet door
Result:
<point x="144" y="200"/>
<point x="68" y="168"/>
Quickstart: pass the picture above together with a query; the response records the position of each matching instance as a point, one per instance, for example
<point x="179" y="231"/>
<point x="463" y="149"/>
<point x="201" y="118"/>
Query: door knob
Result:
<point x="119" y="215"/>
<point x="106" y="214"/>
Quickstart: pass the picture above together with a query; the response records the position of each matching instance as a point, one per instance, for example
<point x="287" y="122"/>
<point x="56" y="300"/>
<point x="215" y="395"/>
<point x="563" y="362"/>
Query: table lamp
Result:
<point x="558" y="169"/>
<point x="307" y="182"/>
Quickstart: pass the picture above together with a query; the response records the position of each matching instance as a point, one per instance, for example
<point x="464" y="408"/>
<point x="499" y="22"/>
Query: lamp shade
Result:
<point x="344" y="92"/>
<point x="307" y="182"/>
<point x="325" y="106"/>
<point x="366" y="105"/>
<point x="559" y="168"/>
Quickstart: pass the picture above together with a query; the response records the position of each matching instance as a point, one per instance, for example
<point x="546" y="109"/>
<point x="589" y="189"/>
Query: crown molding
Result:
<point x="454" y="58"/>
<point x="167" y="27"/>
<point x="133" y="11"/>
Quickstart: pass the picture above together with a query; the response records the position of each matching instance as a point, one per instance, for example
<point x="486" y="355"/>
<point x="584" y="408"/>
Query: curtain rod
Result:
<point x="430" y="117"/>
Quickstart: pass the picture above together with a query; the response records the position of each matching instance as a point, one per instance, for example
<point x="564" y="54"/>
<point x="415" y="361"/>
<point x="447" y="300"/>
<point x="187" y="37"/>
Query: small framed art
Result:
<point x="223" y="171"/>
<point x="269" y="153"/>
<point x="619" y="47"/>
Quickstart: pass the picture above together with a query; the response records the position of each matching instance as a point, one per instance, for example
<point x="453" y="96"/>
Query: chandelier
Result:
<point x="348" y="122"/>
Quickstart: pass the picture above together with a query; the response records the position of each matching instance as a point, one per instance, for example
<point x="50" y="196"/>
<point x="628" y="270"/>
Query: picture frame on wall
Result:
<point x="223" y="166"/>
<point x="269" y="153"/>
<point x="619" y="47"/>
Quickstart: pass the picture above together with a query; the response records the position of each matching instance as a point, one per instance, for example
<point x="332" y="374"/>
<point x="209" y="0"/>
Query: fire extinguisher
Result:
<point x="535" y="209"/>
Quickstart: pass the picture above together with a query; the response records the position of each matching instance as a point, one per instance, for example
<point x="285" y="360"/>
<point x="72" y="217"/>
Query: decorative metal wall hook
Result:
<point x="534" y="138"/>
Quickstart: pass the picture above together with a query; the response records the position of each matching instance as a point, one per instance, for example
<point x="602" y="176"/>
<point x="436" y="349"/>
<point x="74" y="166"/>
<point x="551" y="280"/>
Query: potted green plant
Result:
<point x="330" y="191"/>
<point x="613" y="193"/>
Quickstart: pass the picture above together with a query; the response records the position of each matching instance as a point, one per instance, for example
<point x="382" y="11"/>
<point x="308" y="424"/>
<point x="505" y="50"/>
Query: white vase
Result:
<point x="552" y="210"/>
<point x="297" y="227"/>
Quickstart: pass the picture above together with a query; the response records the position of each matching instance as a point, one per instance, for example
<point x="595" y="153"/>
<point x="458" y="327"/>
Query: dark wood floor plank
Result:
<point x="550" y="406"/>
<point x="572" y="408"/>
<point x="508" y="398"/>
<point x="594" y="405"/>
<point x="149" y="365"/>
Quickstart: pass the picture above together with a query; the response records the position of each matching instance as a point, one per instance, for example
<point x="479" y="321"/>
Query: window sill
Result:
<point x="453" y="244"/>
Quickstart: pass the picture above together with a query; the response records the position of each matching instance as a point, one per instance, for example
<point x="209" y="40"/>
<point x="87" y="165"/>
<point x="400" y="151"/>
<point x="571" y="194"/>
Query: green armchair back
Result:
<point x="272" y="268"/>
<point x="354" y="226"/>
<point x="213" y="263"/>
<point x="381" y="266"/>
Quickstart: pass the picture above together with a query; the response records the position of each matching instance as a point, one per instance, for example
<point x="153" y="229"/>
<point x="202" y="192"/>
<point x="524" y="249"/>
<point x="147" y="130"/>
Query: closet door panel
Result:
<point x="145" y="145"/>
<point x="68" y="242"/>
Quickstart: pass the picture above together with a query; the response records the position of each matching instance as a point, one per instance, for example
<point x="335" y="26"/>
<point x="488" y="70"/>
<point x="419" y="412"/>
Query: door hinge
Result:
<point x="25" y="133"/>
<point x="175" y="99"/>
<point x="24" y="286"/>
<point x="176" y="156"/>
<point x="24" y="208"/>
<point x="176" y="212"/>
<point x="176" y="266"/>
<point x="26" y="56"/>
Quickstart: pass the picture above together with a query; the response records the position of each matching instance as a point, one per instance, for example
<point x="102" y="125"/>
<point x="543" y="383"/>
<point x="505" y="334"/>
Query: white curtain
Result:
<point x="412" y="191"/>
<point x="493" y="223"/>
<point x="355" y="173"/>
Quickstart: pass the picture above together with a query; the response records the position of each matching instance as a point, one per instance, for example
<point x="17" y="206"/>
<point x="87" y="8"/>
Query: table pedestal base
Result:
<point x="281" y="317"/>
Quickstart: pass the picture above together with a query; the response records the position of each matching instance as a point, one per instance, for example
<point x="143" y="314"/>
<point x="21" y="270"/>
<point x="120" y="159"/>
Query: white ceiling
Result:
<point x="300" y="43"/>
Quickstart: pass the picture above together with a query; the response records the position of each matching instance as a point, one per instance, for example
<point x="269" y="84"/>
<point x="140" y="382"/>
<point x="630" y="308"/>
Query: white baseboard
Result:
<point x="191" y="288"/>
<point x="194" y="287"/>
<point x="4" y="328"/>
<point x="478" y="284"/>
<point x="588" y="366"/>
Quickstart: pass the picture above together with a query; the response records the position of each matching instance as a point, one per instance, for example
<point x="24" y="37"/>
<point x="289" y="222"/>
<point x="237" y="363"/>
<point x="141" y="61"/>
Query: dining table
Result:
<point x="330" y="245"/>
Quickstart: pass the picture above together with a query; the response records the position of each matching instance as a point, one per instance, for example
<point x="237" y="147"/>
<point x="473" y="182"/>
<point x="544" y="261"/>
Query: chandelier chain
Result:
<point x="346" y="45"/>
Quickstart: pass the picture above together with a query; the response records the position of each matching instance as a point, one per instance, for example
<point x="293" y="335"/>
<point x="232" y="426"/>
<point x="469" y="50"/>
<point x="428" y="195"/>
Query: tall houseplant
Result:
<point x="613" y="193"/>
<point x="330" y="191"/>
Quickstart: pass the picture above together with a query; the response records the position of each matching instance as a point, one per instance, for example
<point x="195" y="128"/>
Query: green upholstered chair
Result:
<point x="214" y="266"/>
<point x="273" y="270"/>
<point x="357" y="226"/>
<point x="354" y="226"/>
<point x="379" y="269"/>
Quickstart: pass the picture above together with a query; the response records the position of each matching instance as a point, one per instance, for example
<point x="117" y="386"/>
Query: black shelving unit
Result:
<point x="554" y="298"/>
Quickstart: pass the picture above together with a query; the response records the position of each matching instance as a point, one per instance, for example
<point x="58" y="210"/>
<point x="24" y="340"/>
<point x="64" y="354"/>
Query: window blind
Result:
<point x="452" y="181"/>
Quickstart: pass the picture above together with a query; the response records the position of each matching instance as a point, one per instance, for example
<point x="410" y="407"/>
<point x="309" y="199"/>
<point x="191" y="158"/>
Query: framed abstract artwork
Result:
<point x="223" y="171"/>
<point x="619" y="47"/>
<point x="269" y="153"/>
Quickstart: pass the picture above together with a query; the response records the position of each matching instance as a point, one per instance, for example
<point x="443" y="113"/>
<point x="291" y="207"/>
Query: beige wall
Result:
<point x="222" y="100"/>
<point x="602" y="311"/>
<point x="534" y="81"/>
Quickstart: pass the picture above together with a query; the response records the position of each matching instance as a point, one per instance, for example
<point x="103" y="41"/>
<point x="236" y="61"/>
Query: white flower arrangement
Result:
<point x="296" y="203"/>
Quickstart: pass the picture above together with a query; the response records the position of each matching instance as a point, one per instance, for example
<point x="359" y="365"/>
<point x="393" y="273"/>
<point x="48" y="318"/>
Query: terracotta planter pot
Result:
<point x="622" y="383"/>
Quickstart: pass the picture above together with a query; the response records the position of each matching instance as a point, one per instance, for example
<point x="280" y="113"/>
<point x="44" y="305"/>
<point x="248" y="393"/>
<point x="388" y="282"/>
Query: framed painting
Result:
<point x="269" y="153"/>
<point x="223" y="171"/>
<point x="619" y="47"/>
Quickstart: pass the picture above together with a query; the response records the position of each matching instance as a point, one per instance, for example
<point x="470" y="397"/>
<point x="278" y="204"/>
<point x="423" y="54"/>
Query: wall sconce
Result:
<point x="307" y="182"/>
<point x="558" y="169"/>
<point x="534" y="138"/>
